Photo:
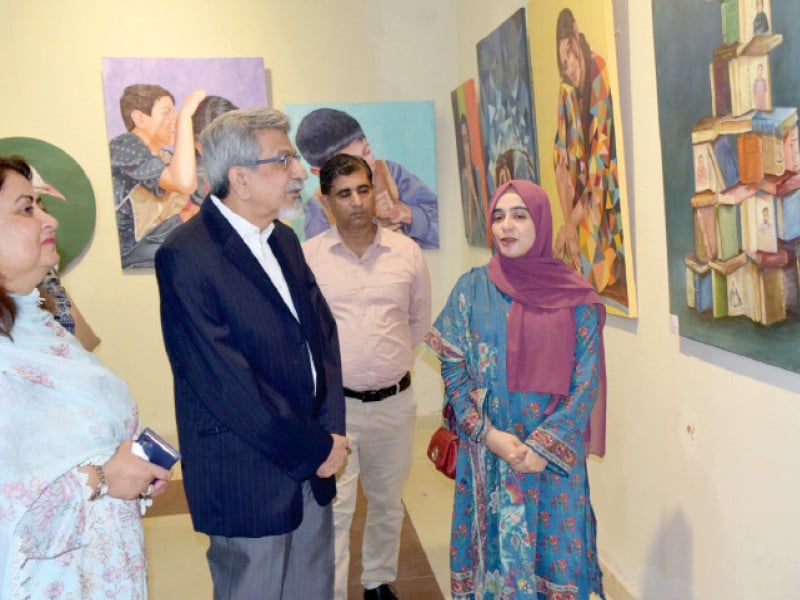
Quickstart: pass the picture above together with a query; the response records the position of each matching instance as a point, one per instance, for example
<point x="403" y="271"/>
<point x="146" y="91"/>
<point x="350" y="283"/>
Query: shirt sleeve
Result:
<point x="419" y="310"/>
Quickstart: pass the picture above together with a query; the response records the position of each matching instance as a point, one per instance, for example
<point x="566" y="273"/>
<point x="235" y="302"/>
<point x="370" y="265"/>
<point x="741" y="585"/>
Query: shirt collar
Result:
<point x="241" y="225"/>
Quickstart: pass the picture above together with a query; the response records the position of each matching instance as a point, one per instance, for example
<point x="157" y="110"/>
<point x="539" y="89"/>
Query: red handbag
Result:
<point x="443" y="451"/>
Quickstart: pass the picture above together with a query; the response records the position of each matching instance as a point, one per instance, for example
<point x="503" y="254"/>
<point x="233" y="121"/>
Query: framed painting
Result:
<point x="576" y="92"/>
<point x="398" y="141"/>
<point x="474" y="202"/>
<point x="731" y="163"/>
<point x="508" y="129"/>
<point x="149" y="103"/>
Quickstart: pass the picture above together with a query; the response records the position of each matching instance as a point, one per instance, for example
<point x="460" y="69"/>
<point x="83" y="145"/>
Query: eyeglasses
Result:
<point x="287" y="161"/>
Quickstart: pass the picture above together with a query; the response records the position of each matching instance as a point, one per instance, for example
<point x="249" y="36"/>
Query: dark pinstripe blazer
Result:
<point x="250" y="426"/>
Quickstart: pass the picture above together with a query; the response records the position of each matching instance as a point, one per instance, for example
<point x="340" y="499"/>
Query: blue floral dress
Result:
<point x="516" y="535"/>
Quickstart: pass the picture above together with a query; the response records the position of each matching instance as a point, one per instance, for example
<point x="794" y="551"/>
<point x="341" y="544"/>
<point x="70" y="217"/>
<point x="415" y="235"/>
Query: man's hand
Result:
<point x="395" y="213"/>
<point x="191" y="103"/>
<point x="337" y="457"/>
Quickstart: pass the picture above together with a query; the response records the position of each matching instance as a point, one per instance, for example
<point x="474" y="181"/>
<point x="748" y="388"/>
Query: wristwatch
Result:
<point x="101" y="489"/>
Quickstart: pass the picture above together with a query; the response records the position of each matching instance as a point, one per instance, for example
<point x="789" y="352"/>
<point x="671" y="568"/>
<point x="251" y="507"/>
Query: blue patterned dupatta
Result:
<point x="60" y="408"/>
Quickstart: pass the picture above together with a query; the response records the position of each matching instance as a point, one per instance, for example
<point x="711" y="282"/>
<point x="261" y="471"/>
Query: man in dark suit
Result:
<point x="257" y="373"/>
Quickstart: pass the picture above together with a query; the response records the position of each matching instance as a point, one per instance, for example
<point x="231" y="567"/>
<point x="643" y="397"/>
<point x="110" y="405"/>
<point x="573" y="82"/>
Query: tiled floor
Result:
<point x="176" y="554"/>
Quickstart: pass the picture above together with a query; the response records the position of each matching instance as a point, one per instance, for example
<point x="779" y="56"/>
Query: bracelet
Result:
<point x="101" y="489"/>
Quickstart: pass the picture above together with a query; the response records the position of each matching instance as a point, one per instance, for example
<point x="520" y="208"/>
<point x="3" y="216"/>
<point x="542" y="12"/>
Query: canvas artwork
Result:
<point x="579" y="131"/>
<point x="507" y="121"/>
<point x="397" y="139"/>
<point x="474" y="202"/>
<point x="65" y="190"/>
<point x="732" y="172"/>
<point x="155" y="109"/>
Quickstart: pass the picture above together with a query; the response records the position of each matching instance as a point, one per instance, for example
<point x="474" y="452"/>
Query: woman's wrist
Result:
<point x="96" y="480"/>
<point x="488" y="428"/>
<point x="101" y="487"/>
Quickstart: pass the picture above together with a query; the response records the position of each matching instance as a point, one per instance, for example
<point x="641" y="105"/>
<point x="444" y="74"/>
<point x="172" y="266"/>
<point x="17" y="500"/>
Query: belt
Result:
<point x="377" y="395"/>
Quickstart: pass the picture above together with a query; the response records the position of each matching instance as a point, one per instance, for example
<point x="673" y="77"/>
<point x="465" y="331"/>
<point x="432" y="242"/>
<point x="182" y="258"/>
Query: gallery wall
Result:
<point x="356" y="51"/>
<point x="695" y="498"/>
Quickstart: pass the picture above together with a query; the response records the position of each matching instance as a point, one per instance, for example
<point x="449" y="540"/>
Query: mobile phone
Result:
<point x="151" y="446"/>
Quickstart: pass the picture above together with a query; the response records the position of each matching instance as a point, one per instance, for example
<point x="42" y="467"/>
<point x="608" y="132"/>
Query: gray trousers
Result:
<point x="278" y="567"/>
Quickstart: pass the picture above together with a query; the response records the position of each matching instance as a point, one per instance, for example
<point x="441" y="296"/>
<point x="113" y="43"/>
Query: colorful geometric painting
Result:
<point x="573" y="56"/>
<point x="508" y="128"/>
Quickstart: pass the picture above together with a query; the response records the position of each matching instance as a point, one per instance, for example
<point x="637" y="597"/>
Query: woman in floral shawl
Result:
<point x="521" y="346"/>
<point x="70" y="487"/>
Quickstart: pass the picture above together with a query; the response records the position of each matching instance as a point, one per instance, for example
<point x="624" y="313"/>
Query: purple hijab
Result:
<point x="544" y="291"/>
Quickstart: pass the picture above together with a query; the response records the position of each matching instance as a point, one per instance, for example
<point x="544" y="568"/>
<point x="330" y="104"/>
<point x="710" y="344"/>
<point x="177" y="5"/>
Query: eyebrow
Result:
<point x="24" y="197"/>
<point x="517" y="207"/>
<point x="351" y="188"/>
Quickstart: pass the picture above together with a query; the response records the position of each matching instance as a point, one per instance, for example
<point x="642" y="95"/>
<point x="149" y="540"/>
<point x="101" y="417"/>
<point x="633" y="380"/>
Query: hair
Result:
<point x="232" y="138"/>
<point x="8" y="308"/>
<point x="341" y="165"/>
<point x="209" y="109"/>
<point x="142" y="97"/>
<point x="324" y="132"/>
<point x="517" y="162"/>
<point x="565" y="28"/>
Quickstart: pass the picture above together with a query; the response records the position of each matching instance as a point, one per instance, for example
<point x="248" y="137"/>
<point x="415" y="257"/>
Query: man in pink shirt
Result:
<point x="378" y="288"/>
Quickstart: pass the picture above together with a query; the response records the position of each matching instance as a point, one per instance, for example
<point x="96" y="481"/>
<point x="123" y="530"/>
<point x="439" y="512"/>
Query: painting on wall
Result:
<point x="731" y="164"/>
<point x="507" y="121"/>
<point x="576" y="92"/>
<point x="155" y="108"/>
<point x="65" y="191"/>
<point x="474" y="202"/>
<point x="397" y="139"/>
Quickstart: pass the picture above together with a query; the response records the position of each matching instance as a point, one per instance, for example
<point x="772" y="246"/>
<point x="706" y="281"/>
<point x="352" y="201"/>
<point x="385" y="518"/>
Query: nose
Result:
<point x="506" y="223"/>
<point x="48" y="221"/>
<point x="298" y="170"/>
<point x="357" y="199"/>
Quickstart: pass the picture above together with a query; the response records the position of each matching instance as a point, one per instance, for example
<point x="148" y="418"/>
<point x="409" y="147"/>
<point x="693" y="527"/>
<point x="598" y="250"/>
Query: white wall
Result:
<point x="696" y="498"/>
<point x="692" y="516"/>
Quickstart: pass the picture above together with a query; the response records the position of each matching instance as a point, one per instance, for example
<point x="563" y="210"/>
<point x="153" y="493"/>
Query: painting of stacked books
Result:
<point x="728" y="98"/>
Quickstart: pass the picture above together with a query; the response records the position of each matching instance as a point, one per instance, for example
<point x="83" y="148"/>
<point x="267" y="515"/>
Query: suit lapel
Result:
<point x="236" y="251"/>
<point x="292" y="273"/>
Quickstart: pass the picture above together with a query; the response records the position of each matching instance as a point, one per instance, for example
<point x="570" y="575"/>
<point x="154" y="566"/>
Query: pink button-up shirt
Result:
<point x="381" y="302"/>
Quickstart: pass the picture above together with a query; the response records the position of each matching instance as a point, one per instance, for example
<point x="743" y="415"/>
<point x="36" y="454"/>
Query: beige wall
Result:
<point x="692" y="516"/>
<point x="352" y="50"/>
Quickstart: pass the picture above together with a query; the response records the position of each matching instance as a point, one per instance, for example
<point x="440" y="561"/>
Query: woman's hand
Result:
<point x="530" y="462"/>
<point x="509" y="448"/>
<point x="129" y="476"/>
<point x="504" y="445"/>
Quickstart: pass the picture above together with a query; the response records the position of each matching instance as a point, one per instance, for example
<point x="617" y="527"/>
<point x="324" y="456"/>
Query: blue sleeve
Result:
<point x="315" y="219"/>
<point x="422" y="200"/>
